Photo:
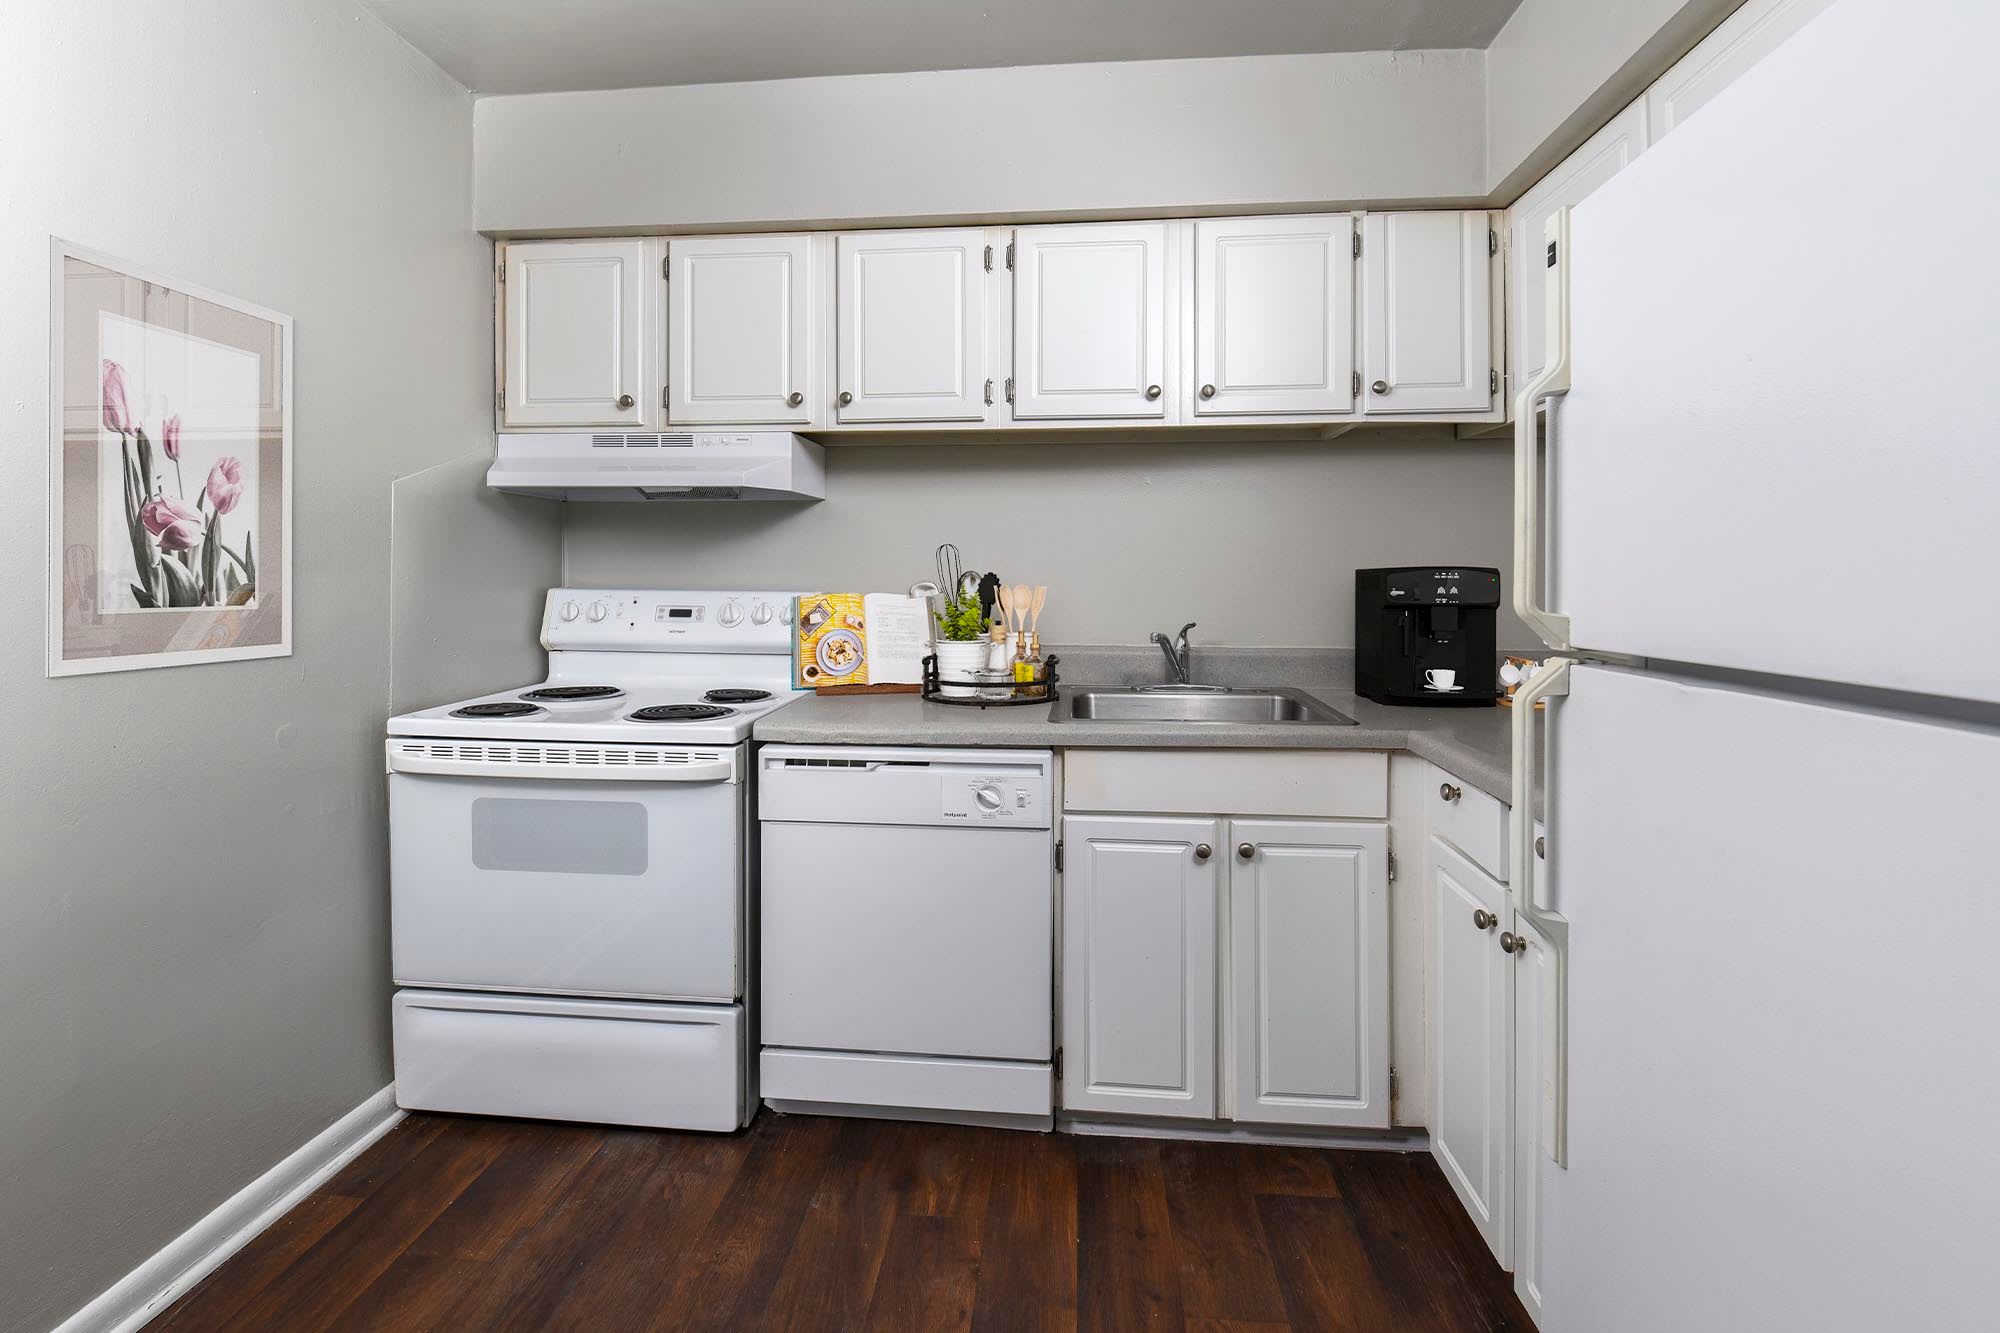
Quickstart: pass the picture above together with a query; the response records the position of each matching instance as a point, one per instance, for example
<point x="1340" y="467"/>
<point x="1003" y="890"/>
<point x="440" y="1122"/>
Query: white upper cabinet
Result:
<point x="1274" y="316"/>
<point x="1309" y="972"/>
<point x="1604" y="156"/>
<point x="1740" y="41"/>
<point x="1471" y="1037"/>
<point x="1426" y="324"/>
<point x="1138" y="981"/>
<point x="575" y="333"/>
<point x="1090" y="321"/>
<point x="740" y="317"/>
<point x="912" y="335"/>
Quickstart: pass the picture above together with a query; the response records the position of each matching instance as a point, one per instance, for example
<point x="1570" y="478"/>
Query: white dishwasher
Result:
<point x="907" y="922"/>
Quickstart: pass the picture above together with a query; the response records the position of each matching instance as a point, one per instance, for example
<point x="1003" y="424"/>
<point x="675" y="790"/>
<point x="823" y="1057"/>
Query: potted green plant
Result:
<point x="961" y="645"/>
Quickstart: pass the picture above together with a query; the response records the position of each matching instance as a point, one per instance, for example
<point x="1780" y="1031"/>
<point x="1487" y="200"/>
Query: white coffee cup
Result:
<point x="1439" y="678"/>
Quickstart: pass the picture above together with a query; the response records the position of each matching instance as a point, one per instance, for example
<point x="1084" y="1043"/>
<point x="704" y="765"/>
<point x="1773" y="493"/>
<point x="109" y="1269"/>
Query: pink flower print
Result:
<point x="170" y="436"/>
<point x="225" y="485"/>
<point x="117" y="416"/>
<point x="176" y="526"/>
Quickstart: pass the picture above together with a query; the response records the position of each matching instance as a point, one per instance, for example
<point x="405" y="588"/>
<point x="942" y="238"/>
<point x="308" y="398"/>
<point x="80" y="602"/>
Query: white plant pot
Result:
<point x="956" y="663"/>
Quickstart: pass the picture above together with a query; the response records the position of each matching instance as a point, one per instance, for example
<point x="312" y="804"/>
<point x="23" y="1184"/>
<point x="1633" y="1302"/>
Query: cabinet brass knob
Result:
<point x="1449" y="792"/>
<point x="1246" y="850"/>
<point x="1202" y="851"/>
<point x="1513" y="944"/>
<point x="794" y="398"/>
<point x="624" y="401"/>
<point x="1483" y="919"/>
<point x="1208" y="391"/>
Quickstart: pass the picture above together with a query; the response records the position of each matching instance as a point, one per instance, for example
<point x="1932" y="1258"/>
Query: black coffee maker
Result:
<point x="1425" y="634"/>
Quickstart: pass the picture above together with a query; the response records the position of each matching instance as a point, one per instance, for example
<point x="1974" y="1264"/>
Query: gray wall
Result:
<point x="1146" y="137"/>
<point x="1257" y="542"/>
<point x="193" y="941"/>
<point x="1559" y="69"/>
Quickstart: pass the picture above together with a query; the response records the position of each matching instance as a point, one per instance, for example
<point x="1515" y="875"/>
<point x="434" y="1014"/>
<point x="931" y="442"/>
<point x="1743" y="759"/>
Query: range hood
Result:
<point x="696" y="465"/>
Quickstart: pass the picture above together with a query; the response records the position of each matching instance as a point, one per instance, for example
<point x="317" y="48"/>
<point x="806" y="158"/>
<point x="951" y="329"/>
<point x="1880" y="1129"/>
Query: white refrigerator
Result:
<point x="1764" y="525"/>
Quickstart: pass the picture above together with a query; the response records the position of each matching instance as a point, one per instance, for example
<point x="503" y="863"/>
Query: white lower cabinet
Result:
<point x="1471" y="1038"/>
<point x="1300" y="1032"/>
<point x="1309" y="972"/>
<point x="1138" y="986"/>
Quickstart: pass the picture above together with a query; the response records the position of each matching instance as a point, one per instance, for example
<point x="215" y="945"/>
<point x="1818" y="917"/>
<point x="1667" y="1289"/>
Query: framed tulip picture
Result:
<point x="170" y="475"/>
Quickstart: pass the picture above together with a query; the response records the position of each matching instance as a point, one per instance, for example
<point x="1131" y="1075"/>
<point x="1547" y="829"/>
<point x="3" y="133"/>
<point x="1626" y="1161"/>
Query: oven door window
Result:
<point x="559" y="836"/>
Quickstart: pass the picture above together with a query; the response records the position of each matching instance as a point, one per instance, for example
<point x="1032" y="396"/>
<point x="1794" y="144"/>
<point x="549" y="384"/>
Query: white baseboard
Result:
<point x="200" y="1250"/>
<point x="1399" y="1139"/>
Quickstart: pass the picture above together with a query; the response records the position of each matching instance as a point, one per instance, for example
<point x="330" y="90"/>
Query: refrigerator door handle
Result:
<point x="1551" y="681"/>
<point x="1554" y="379"/>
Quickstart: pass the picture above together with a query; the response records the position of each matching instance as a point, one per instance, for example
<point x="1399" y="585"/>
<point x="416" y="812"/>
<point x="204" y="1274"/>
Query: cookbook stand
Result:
<point x="1011" y="694"/>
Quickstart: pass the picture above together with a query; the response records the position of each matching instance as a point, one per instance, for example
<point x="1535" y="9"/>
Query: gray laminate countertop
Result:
<point x="1472" y="744"/>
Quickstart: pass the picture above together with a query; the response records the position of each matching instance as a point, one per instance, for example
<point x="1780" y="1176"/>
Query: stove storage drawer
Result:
<point x="617" y="889"/>
<point x="607" y="1062"/>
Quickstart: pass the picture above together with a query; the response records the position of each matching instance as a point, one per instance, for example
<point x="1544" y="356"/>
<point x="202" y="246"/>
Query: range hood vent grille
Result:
<point x="683" y="440"/>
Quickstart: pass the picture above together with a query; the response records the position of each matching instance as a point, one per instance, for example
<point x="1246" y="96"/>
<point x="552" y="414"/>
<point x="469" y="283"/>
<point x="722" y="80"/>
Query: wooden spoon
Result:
<point x="1021" y="599"/>
<point x="1035" y="607"/>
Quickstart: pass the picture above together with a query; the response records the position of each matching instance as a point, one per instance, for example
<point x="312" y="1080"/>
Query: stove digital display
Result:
<point x="666" y="613"/>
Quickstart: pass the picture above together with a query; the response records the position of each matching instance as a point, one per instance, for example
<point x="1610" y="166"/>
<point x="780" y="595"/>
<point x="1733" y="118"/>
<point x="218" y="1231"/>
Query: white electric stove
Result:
<point x="570" y="868"/>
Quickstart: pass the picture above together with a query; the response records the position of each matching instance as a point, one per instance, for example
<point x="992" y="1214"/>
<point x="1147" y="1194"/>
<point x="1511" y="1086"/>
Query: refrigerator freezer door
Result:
<point x="1783" y="926"/>
<point x="1777" y="453"/>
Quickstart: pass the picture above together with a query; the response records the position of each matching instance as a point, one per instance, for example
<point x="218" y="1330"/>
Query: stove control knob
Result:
<point x="570" y="611"/>
<point x="785" y="613"/>
<point x="598" y="611"/>
<point x="731" y="614"/>
<point x="760" y="614"/>
<point x="989" y="796"/>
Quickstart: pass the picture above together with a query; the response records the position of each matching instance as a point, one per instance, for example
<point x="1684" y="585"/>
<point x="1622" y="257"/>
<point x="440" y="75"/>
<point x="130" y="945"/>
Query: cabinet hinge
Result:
<point x="1492" y="242"/>
<point x="1493" y="381"/>
<point x="1057" y="1063"/>
<point x="989" y="403"/>
<point x="1010" y="254"/>
<point x="1010" y="388"/>
<point x="1357" y="384"/>
<point x="1392" y="865"/>
<point x="1357" y="243"/>
<point x="499" y="400"/>
<point x="663" y="397"/>
<point x="1059" y="854"/>
<point x="500" y="271"/>
<point x="989" y="259"/>
<point x="1394" y="1084"/>
<point x="666" y="268"/>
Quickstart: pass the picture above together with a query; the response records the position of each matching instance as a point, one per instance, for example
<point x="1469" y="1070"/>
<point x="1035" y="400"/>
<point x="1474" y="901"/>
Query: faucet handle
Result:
<point x="1184" y="629"/>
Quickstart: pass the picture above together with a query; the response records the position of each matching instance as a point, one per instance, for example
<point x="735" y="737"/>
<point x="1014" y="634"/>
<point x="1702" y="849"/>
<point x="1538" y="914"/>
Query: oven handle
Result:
<point x="715" y="770"/>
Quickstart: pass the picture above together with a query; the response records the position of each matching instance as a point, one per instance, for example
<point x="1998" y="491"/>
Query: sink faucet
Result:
<point x="1179" y="655"/>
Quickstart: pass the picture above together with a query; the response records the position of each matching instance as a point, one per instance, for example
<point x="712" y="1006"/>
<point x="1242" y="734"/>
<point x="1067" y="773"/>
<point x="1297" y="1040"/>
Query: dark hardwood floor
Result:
<point x="809" y="1223"/>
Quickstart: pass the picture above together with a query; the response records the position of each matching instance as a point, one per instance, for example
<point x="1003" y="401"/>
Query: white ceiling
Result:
<point x="522" y="46"/>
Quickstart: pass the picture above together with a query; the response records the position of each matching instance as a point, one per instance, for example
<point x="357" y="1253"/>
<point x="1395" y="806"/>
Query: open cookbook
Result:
<point x="850" y="638"/>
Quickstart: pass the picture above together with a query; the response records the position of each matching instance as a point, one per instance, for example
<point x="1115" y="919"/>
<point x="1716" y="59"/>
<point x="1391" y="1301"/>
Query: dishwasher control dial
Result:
<point x="989" y="796"/>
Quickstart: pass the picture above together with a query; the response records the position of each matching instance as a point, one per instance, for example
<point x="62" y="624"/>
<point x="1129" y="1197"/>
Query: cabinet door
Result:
<point x="739" y="320"/>
<point x="1309" y="972"/>
<point x="1738" y="42"/>
<point x="1090" y="321"/>
<point x="1427" y="310"/>
<point x="1534" y="1035"/>
<point x="1604" y="156"/>
<point x="912" y="327"/>
<point x="575" y="333"/>
<point x="1139" y="940"/>
<point x="1472" y="1022"/>
<point x="1274" y="316"/>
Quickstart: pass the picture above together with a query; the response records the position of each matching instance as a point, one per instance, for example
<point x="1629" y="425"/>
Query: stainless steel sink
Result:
<point x="1194" y="703"/>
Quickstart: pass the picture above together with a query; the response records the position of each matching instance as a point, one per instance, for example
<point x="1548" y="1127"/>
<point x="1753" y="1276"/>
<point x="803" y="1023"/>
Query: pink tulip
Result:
<point x="225" y="484"/>
<point x="117" y="416"/>
<point x="177" y="526"/>
<point x="170" y="436"/>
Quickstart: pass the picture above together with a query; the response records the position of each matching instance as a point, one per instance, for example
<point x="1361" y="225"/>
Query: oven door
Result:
<point x="567" y="869"/>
